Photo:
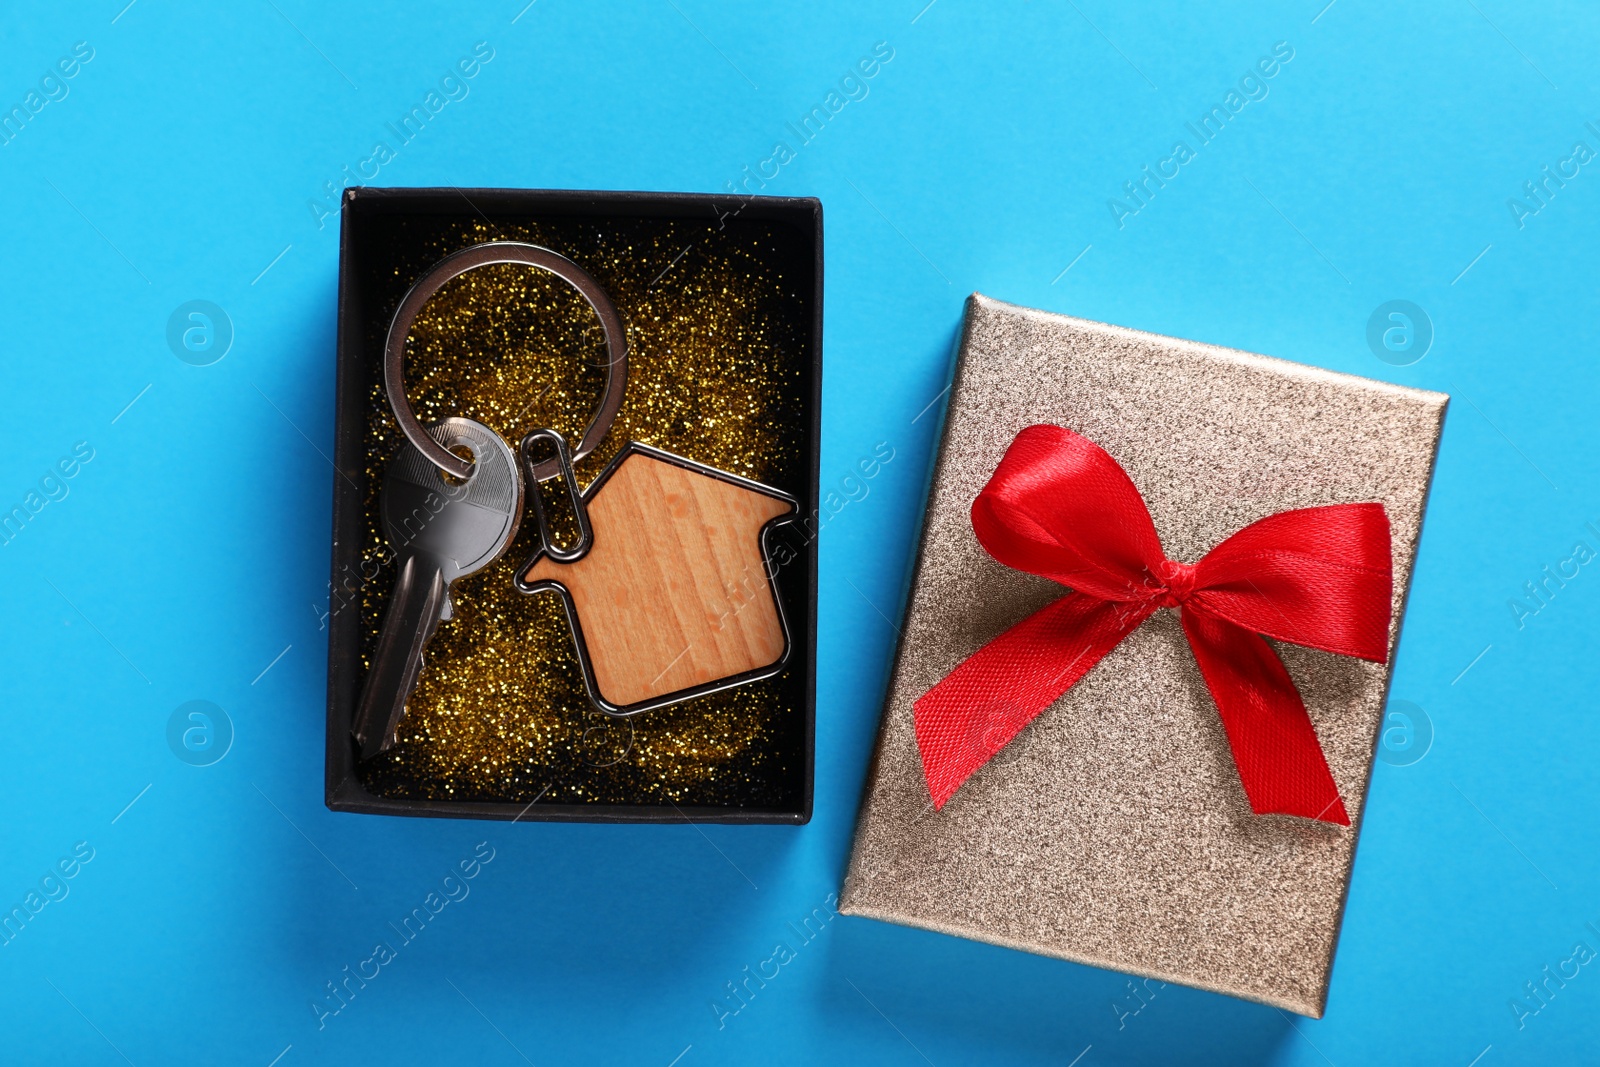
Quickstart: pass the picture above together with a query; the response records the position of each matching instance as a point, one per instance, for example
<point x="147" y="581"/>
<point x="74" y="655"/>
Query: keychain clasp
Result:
<point x="563" y="461"/>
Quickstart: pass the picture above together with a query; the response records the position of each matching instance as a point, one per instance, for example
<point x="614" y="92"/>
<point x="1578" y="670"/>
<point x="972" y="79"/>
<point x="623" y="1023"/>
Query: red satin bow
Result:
<point x="1060" y="507"/>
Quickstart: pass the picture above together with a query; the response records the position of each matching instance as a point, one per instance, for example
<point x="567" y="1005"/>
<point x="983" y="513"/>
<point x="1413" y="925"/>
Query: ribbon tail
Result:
<point x="1275" y="746"/>
<point x="987" y="700"/>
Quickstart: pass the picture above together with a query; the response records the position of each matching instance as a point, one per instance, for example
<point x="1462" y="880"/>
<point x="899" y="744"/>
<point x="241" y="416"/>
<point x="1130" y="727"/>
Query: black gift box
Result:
<point x="376" y="225"/>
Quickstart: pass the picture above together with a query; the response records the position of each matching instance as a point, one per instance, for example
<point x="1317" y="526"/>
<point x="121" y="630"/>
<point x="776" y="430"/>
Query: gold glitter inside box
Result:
<point x="721" y="303"/>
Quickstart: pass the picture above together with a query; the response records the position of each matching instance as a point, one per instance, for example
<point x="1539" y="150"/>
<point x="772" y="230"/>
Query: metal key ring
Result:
<point x="482" y="255"/>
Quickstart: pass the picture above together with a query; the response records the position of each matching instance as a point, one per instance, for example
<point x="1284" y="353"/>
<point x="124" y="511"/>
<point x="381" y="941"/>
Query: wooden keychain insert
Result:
<point x="671" y="577"/>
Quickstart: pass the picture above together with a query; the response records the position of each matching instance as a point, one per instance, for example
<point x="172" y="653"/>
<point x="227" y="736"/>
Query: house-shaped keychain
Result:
<point x="670" y="590"/>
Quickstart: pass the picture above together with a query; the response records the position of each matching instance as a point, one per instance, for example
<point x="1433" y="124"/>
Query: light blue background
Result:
<point x="192" y="550"/>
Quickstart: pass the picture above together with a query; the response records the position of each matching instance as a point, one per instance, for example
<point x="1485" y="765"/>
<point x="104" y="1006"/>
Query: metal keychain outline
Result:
<point x="485" y="254"/>
<point x="554" y="585"/>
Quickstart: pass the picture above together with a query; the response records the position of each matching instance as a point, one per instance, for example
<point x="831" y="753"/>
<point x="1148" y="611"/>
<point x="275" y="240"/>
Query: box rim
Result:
<point x="1276" y="364"/>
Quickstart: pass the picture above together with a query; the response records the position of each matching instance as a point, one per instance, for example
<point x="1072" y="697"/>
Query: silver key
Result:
<point x="440" y="532"/>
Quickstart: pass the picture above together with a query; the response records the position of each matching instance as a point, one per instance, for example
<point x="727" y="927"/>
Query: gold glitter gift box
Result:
<point x="721" y="300"/>
<point x="1113" y="830"/>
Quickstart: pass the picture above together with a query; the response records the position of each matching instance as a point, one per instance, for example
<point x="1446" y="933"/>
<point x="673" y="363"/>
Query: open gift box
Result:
<point x="720" y="302"/>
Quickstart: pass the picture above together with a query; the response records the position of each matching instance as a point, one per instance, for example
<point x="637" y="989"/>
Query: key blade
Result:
<point x="413" y="615"/>
<point x="441" y="531"/>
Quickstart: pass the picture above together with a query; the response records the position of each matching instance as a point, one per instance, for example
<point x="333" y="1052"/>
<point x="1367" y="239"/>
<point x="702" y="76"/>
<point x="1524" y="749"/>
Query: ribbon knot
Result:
<point x="1177" y="580"/>
<point x="1058" y="506"/>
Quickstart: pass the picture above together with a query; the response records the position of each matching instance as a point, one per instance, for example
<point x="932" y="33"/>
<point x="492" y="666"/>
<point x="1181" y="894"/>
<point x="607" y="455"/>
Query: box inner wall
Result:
<point x="718" y="321"/>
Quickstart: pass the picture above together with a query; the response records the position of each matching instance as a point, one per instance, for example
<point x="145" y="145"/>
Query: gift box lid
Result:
<point x="1113" y="830"/>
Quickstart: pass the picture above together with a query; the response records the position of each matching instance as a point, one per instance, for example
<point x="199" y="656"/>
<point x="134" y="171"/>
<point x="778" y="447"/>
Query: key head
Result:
<point x="465" y="526"/>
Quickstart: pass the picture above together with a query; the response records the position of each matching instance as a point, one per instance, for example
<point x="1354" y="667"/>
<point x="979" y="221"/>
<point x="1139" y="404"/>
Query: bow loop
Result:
<point x="1046" y="509"/>
<point x="1319" y="577"/>
<point x="1060" y="507"/>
